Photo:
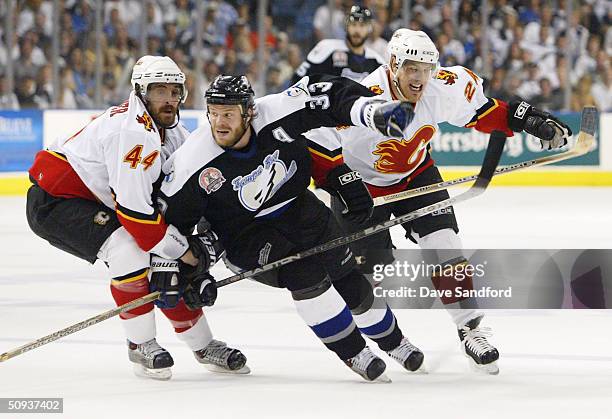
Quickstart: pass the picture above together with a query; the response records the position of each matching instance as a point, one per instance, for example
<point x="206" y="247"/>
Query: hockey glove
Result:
<point x="552" y="132"/>
<point x="200" y="291"/>
<point x="351" y="190"/>
<point x="164" y="278"/>
<point x="390" y="118"/>
<point x="207" y="248"/>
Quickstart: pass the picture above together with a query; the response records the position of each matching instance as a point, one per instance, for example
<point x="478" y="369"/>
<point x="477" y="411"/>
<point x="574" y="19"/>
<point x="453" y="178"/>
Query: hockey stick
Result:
<point x="492" y="156"/>
<point x="79" y="326"/>
<point x="583" y="145"/>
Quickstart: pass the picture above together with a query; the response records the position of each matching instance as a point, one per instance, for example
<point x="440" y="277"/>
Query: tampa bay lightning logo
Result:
<point x="262" y="183"/>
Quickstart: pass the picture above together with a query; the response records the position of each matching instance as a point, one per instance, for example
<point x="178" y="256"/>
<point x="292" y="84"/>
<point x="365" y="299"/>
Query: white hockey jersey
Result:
<point x="454" y="96"/>
<point x="118" y="156"/>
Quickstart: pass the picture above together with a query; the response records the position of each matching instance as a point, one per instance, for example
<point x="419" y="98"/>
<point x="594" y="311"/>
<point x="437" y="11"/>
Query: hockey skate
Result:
<point x="482" y="355"/>
<point x="218" y="357"/>
<point x="408" y="356"/>
<point x="150" y="360"/>
<point x="369" y="366"/>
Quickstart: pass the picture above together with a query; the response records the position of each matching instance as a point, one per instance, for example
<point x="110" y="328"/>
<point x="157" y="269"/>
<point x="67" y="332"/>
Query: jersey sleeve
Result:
<point x="325" y="149"/>
<point x="134" y="166"/>
<point x="471" y="107"/>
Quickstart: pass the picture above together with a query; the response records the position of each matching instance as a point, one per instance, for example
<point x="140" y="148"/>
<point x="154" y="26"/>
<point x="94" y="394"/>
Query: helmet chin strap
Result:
<point x="400" y="94"/>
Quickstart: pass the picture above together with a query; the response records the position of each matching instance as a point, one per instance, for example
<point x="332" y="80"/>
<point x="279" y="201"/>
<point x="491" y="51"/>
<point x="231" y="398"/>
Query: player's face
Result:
<point x="163" y="101"/>
<point x="357" y="33"/>
<point x="227" y="124"/>
<point x="413" y="77"/>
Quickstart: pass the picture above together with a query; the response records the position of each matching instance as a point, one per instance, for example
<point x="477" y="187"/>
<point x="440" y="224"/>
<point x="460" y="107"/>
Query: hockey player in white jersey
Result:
<point x="392" y="164"/>
<point x="93" y="195"/>
<point x="344" y="57"/>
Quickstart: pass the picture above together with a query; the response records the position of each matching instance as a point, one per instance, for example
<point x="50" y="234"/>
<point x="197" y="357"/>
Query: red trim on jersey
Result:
<point x="494" y="118"/>
<point x="147" y="233"/>
<point x="322" y="165"/>
<point x="402" y="185"/>
<point x="52" y="172"/>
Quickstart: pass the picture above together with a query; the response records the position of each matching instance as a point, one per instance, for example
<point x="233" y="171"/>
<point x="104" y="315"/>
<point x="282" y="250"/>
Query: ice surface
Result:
<point x="553" y="363"/>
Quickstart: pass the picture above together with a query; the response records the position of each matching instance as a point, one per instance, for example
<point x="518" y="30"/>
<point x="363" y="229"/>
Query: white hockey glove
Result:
<point x="552" y="132"/>
<point x="390" y="118"/>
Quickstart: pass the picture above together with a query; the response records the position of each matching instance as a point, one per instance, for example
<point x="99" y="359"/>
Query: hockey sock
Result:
<point x="181" y="317"/>
<point x="138" y="323"/>
<point x="191" y="327"/>
<point x="326" y="313"/>
<point x="372" y="315"/>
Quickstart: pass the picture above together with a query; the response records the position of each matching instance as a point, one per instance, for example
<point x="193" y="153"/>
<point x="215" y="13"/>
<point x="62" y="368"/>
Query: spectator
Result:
<point x="581" y="94"/>
<point x="26" y="92"/>
<point x="530" y="86"/>
<point x="549" y="99"/>
<point x="602" y="90"/>
<point x="327" y="24"/>
<point x="8" y="100"/>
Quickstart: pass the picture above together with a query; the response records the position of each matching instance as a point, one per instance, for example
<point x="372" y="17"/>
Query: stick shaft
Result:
<point x="79" y="326"/>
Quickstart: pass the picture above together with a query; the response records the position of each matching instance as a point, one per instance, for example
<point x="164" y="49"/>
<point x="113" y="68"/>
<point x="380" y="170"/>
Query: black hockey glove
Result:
<point x="390" y="118"/>
<point x="207" y="248"/>
<point x="200" y="291"/>
<point x="349" y="187"/>
<point x="552" y="132"/>
<point x="165" y="279"/>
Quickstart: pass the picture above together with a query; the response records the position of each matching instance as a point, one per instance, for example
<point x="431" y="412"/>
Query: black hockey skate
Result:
<point x="218" y="357"/>
<point x="368" y="365"/>
<point x="150" y="360"/>
<point x="483" y="356"/>
<point x="409" y="356"/>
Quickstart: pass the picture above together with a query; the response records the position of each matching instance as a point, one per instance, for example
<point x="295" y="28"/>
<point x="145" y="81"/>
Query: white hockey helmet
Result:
<point x="155" y="69"/>
<point x="406" y="44"/>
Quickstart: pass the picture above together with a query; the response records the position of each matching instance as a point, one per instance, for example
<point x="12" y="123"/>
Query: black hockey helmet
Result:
<point x="359" y="14"/>
<point x="231" y="90"/>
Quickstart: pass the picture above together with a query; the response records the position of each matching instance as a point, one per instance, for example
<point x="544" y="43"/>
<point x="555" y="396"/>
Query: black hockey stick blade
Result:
<point x="492" y="156"/>
<point x="588" y="120"/>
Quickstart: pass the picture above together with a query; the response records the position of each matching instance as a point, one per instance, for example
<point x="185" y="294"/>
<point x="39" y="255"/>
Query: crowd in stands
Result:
<point x="527" y="57"/>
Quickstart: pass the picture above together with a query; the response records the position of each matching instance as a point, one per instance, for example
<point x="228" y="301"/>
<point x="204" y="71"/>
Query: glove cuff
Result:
<point x="518" y="111"/>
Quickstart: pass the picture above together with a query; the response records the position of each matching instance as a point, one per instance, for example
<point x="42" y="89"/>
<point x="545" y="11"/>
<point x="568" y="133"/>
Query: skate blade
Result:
<point x="381" y="379"/>
<point x="221" y="370"/>
<point x="162" y="374"/>
<point x="489" y="369"/>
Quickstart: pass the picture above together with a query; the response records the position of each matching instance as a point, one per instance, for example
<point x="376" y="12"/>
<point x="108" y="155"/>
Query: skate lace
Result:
<point x="216" y="353"/>
<point x="362" y="360"/>
<point x="150" y="348"/>
<point x="403" y="351"/>
<point x="476" y="339"/>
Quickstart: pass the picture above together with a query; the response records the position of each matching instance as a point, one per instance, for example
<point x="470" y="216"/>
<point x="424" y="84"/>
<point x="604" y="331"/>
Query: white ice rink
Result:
<point x="554" y="364"/>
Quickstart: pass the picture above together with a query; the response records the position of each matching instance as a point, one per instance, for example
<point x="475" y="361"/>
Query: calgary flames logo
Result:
<point x="402" y="156"/>
<point x="448" y="76"/>
<point x="376" y="89"/>
<point x="145" y="120"/>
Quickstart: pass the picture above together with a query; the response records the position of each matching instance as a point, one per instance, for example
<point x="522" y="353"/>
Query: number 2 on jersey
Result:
<point x="133" y="157"/>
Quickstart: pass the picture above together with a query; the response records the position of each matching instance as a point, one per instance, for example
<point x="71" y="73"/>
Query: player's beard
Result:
<point x="165" y="115"/>
<point x="231" y="139"/>
<point x="356" y="40"/>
